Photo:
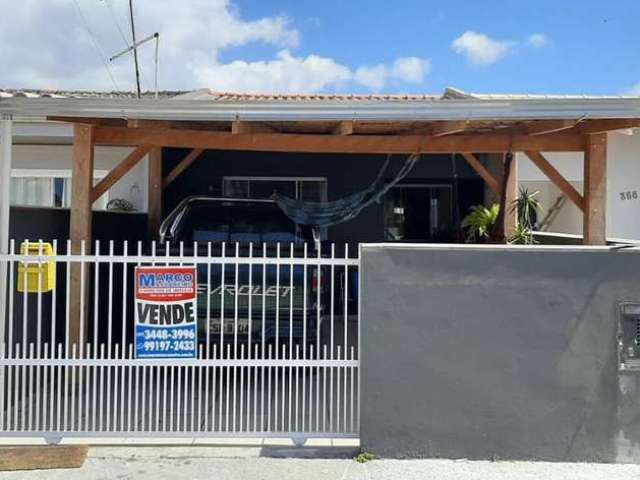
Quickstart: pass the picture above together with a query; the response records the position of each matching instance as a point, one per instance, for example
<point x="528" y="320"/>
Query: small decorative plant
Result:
<point x="478" y="223"/>
<point x="364" y="457"/>
<point x="527" y="207"/>
<point x="120" y="205"/>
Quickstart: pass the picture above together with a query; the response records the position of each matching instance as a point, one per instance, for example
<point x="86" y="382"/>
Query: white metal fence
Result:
<point x="277" y="351"/>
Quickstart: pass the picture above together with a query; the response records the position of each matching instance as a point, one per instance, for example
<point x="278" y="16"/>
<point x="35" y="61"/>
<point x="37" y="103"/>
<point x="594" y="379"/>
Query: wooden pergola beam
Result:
<point x="239" y="127"/>
<point x="81" y="217"/>
<point x="556" y="177"/>
<point x="591" y="127"/>
<point x="119" y="171"/>
<point x="510" y="194"/>
<point x="191" y="157"/>
<point x="319" y="143"/>
<point x="485" y="174"/>
<point x="154" y="217"/>
<point x="595" y="190"/>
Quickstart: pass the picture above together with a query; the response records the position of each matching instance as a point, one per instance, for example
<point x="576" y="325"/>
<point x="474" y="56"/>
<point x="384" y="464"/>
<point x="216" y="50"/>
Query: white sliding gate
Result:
<point x="278" y="332"/>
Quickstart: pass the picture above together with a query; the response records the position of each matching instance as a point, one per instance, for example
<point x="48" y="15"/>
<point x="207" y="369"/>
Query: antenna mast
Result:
<point x="135" y="47"/>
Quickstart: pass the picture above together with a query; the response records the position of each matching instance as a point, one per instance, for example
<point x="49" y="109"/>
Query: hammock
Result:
<point x="324" y="214"/>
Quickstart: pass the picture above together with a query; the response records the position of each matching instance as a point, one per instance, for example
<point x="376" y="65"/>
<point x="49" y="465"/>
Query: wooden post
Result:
<point x="508" y="218"/>
<point x="155" y="193"/>
<point x="595" y="190"/>
<point x="80" y="228"/>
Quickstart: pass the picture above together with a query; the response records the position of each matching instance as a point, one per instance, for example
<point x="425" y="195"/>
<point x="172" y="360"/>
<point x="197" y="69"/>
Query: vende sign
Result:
<point x="165" y="312"/>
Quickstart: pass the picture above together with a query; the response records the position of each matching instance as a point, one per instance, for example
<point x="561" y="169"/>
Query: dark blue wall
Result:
<point x="345" y="174"/>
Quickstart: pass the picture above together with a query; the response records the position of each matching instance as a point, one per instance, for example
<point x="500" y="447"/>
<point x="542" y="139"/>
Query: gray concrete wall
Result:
<point x="497" y="352"/>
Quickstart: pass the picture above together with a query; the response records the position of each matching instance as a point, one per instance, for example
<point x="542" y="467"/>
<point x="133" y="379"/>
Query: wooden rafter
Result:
<point x="556" y="177"/>
<point x="489" y="143"/>
<point x="174" y="124"/>
<point x="103" y="122"/>
<point x="485" y="174"/>
<point x="119" y="171"/>
<point x="243" y="128"/>
<point x="432" y="128"/>
<point x="439" y="129"/>
<point x="344" y="128"/>
<point x="191" y="157"/>
<point x="542" y="127"/>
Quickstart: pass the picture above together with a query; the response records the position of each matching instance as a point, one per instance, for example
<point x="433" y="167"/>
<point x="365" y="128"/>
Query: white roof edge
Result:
<point x="445" y="109"/>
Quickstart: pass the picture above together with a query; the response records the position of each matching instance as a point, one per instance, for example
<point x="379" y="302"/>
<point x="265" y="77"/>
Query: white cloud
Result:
<point x="411" y="69"/>
<point x="290" y="73"/>
<point x="50" y="48"/>
<point x="286" y="73"/>
<point x="538" y="40"/>
<point x="481" y="49"/>
<point x="634" y="90"/>
<point x="373" y="78"/>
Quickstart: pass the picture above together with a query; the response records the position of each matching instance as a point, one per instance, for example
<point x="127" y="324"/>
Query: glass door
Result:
<point x="419" y="212"/>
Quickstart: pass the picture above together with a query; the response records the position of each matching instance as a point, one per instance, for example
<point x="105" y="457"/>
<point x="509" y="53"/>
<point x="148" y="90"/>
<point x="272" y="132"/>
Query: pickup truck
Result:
<point x="272" y="300"/>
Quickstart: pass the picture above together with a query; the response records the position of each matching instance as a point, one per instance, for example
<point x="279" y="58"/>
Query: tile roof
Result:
<point x="35" y="93"/>
<point x="208" y="94"/>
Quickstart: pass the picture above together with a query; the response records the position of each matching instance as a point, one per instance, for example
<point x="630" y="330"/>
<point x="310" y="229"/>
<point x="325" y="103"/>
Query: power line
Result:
<point x="115" y="21"/>
<point x="114" y="18"/>
<point x="96" y="44"/>
<point x="135" y="48"/>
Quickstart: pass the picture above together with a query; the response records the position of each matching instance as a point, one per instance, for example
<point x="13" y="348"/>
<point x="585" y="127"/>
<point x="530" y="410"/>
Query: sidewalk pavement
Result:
<point x="275" y="463"/>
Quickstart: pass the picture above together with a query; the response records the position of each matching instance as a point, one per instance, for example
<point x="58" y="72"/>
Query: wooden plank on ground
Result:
<point x="42" y="457"/>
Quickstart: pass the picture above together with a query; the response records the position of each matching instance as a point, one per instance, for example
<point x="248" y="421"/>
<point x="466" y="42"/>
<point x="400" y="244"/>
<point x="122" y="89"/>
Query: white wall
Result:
<point x="623" y="175"/>
<point x="132" y="187"/>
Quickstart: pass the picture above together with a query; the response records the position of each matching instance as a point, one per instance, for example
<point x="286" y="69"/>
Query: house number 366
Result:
<point x="629" y="195"/>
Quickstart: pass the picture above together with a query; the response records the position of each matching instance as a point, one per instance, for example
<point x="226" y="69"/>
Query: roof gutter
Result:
<point x="203" y="110"/>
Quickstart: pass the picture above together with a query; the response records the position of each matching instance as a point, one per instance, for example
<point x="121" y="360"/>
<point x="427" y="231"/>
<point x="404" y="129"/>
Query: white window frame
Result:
<point x="297" y="180"/>
<point x="52" y="174"/>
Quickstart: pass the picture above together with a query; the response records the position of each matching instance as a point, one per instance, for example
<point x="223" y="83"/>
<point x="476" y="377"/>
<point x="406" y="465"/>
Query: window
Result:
<point x="312" y="189"/>
<point x="419" y="212"/>
<point x="47" y="188"/>
<point x="241" y="222"/>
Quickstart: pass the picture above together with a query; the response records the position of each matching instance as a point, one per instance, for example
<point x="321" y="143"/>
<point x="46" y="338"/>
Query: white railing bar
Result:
<point x="227" y="260"/>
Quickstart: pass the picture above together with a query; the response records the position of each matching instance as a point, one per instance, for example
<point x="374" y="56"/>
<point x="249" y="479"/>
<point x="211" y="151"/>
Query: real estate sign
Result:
<point x="165" y="312"/>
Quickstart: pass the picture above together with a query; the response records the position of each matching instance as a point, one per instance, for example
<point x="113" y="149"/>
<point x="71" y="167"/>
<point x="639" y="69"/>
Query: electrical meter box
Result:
<point x="629" y="337"/>
<point x="36" y="276"/>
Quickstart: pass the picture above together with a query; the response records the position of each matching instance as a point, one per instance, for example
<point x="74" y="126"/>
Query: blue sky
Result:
<point x="594" y="44"/>
<point x="405" y="46"/>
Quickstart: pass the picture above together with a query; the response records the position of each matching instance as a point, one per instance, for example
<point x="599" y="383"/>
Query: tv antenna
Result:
<point x="134" y="47"/>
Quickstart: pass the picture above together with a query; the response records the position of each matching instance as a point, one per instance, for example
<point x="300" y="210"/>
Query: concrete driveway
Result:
<point x="283" y="463"/>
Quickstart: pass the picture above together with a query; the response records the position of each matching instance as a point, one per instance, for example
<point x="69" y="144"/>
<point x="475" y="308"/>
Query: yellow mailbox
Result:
<point x="30" y="273"/>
